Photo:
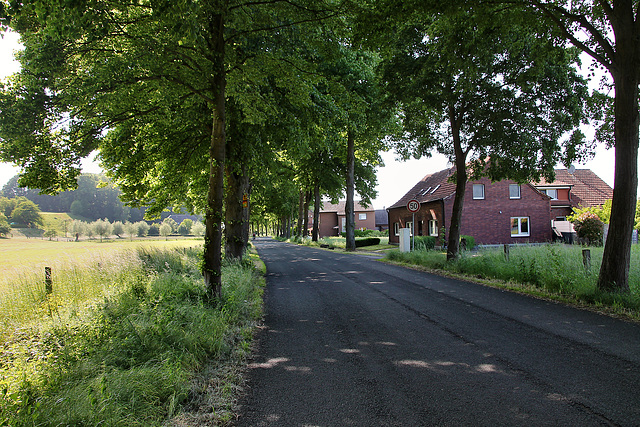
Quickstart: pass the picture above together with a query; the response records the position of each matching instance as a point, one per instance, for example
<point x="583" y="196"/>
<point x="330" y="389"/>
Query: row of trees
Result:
<point x="103" y="229"/>
<point x="197" y="104"/>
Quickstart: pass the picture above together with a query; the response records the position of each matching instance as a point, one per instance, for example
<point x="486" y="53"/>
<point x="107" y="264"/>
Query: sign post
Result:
<point x="413" y="206"/>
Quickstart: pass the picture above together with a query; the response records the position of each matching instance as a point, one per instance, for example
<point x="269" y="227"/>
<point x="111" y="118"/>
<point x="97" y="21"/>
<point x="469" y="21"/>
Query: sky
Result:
<point x="394" y="179"/>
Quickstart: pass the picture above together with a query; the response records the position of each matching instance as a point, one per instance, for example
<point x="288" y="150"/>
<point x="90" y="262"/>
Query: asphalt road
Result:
<point x="349" y="341"/>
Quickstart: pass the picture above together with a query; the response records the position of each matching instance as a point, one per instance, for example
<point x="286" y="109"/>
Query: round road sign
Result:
<point x="413" y="206"/>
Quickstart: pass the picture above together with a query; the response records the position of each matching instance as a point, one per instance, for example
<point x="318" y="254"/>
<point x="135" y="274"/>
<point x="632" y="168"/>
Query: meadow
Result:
<point x="125" y="338"/>
<point x="553" y="271"/>
<point x="22" y="255"/>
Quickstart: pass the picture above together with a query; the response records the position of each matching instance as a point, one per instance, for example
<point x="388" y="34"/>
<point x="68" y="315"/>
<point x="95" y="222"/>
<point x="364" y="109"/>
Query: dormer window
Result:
<point x="553" y="193"/>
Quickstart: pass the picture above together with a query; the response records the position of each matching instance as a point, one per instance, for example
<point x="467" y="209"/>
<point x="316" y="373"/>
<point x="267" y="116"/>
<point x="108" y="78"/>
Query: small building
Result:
<point x="382" y="219"/>
<point x="332" y="220"/>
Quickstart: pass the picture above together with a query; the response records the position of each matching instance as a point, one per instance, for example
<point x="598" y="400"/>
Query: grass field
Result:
<point x="127" y="337"/>
<point x="20" y="254"/>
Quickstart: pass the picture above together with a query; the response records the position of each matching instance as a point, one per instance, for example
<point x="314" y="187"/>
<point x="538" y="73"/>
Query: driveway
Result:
<point x="349" y="341"/>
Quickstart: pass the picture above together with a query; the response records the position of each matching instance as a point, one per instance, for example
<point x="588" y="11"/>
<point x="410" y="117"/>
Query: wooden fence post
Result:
<point x="586" y="258"/>
<point x="48" y="282"/>
<point x="506" y="252"/>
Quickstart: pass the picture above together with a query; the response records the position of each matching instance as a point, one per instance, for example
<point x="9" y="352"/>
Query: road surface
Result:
<point x="349" y="341"/>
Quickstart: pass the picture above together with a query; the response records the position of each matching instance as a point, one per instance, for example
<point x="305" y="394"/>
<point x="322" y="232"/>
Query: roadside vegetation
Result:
<point x="125" y="338"/>
<point x="365" y="241"/>
<point x="554" y="271"/>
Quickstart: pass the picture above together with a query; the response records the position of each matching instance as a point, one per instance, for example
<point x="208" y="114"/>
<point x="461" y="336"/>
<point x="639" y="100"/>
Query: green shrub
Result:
<point x="367" y="241"/>
<point x="589" y="227"/>
<point x="368" y="233"/>
<point x="471" y="242"/>
<point x="424" y="243"/>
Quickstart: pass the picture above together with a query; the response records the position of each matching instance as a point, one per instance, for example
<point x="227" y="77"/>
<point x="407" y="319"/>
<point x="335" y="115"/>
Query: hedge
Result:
<point x="368" y="241"/>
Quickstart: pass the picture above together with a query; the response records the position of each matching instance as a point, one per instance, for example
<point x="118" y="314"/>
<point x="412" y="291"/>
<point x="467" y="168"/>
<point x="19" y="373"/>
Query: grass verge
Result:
<point x="141" y="348"/>
<point x="551" y="271"/>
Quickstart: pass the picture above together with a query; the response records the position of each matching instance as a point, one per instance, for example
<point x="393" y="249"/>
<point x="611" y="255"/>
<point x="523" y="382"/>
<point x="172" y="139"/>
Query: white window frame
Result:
<point x="554" y="195"/>
<point x="512" y="188"/>
<point x="396" y="228"/>
<point x="433" y="227"/>
<point x="409" y="225"/>
<point x="516" y="224"/>
<point x="479" y="187"/>
<point x="344" y="224"/>
<point x="362" y="216"/>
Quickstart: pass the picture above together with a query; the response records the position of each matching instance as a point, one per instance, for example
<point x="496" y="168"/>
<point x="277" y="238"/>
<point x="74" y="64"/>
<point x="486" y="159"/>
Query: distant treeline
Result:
<point x="95" y="198"/>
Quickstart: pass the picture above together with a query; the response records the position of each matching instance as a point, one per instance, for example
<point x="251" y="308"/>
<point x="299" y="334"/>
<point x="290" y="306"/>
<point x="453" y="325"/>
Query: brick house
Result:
<point x="497" y="212"/>
<point x="332" y="219"/>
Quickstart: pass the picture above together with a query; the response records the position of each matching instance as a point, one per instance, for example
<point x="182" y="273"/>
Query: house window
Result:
<point x="520" y="226"/>
<point x="419" y="232"/>
<point x="553" y="193"/>
<point x="478" y="191"/>
<point x="396" y="228"/>
<point x="410" y="227"/>
<point x="514" y="191"/>
<point x="433" y="228"/>
<point x="362" y="216"/>
<point x="344" y="225"/>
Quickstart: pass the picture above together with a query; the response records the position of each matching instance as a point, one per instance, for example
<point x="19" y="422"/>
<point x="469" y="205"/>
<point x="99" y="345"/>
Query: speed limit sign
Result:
<point x="413" y="206"/>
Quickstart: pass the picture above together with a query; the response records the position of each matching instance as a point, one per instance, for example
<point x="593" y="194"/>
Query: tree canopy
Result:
<point x="485" y="89"/>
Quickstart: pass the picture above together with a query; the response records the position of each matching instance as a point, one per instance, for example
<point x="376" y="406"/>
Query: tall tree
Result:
<point x="609" y="32"/>
<point x="483" y="89"/>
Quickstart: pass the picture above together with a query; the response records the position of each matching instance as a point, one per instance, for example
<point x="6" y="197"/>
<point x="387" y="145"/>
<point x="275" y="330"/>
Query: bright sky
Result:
<point x="394" y="180"/>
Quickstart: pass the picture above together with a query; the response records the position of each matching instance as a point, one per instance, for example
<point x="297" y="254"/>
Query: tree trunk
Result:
<point x="301" y="215"/>
<point x="234" y="242"/>
<point x="212" y="265"/>
<point x="614" y="271"/>
<point x="453" y="244"/>
<point x="316" y="212"/>
<point x="349" y="207"/>
<point x="307" y="200"/>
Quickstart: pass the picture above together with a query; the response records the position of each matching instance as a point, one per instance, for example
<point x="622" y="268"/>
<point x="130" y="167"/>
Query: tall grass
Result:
<point x="120" y="341"/>
<point x="552" y="269"/>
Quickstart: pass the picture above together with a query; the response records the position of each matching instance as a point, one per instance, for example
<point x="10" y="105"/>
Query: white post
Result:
<point x="405" y="240"/>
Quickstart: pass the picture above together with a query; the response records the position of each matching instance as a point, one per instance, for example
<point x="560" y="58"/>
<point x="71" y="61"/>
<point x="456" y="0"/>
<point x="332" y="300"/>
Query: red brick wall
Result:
<point x="489" y="220"/>
<point x="428" y="211"/>
<point x="327" y="222"/>
<point x="369" y="223"/>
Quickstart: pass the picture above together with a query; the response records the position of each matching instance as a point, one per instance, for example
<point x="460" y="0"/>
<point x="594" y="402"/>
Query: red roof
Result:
<point x="587" y="188"/>
<point x="435" y="186"/>
<point x="340" y="207"/>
